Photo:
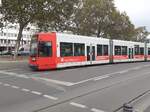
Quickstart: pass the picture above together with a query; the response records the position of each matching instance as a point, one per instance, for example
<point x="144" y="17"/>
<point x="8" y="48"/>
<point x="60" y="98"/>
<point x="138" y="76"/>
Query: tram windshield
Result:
<point x="45" y="49"/>
<point x="34" y="46"/>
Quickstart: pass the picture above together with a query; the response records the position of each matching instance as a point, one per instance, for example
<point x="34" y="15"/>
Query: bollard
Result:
<point x="127" y="108"/>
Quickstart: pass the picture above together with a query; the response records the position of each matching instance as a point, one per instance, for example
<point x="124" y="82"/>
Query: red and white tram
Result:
<point x="57" y="50"/>
<point x="148" y="51"/>
<point x="124" y="51"/>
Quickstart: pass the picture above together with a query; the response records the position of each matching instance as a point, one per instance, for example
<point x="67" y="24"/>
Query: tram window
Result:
<point x="141" y="50"/>
<point x="79" y="49"/>
<point x="45" y="49"/>
<point x="33" y="49"/>
<point x="105" y="49"/>
<point x="117" y="50"/>
<point x="66" y="49"/>
<point x="99" y="50"/>
<point x="137" y="49"/>
<point x="124" y="50"/>
<point x="33" y="46"/>
<point x="148" y="51"/>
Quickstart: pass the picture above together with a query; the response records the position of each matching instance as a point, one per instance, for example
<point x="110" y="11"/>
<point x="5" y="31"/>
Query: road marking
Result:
<point x="96" y="110"/>
<point x="136" y="68"/>
<point x="54" y="81"/>
<point x="50" y="97"/>
<point x="65" y="83"/>
<point x="25" y="90"/>
<point x="35" y="92"/>
<point x="76" y="83"/>
<point x="16" y="69"/>
<point x="57" y="81"/>
<point x="101" y="77"/>
<point x="2" y="77"/>
<point x="23" y="76"/>
<point x="78" y="105"/>
<point x="7" y="85"/>
<point x="146" y="65"/>
<point x="7" y="73"/>
<point x="15" y="87"/>
<point x="14" y="74"/>
<point x="83" y="81"/>
<point x="125" y="71"/>
<point x="95" y="78"/>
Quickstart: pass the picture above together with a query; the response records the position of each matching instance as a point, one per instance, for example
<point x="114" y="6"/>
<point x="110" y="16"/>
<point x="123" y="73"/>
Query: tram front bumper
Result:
<point x="34" y="67"/>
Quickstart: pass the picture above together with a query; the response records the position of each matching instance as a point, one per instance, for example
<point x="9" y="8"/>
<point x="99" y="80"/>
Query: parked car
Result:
<point x="22" y="52"/>
<point x="6" y="52"/>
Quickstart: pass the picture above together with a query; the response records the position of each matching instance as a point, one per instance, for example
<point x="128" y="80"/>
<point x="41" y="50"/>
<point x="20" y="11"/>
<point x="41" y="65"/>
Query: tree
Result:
<point x="63" y="10"/>
<point x="21" y="12"/>
<point x="122" y="28"/>
<point x="1" y="25"/>
<point x="32" y="11"/>
<point x="93" y="17"/>
<point x="141" y="34"/>
<point x="100" y="18"/>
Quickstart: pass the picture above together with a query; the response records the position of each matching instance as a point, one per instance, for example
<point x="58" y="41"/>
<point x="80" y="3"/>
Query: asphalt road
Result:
<point x="102" y="88"/>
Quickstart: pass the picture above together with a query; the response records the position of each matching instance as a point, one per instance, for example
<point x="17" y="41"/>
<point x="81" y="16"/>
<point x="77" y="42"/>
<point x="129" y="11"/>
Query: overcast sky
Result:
<point x="137" y="10"/>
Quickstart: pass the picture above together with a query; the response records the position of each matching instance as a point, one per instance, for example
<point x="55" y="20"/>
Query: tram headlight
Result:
<point x="33" y="59"/>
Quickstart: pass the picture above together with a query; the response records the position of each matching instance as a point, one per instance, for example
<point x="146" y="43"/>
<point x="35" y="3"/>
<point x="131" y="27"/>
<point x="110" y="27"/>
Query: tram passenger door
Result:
<point x="130" y="55"/>
<point x="93" y="53"/>
<point x="90" y="53"/>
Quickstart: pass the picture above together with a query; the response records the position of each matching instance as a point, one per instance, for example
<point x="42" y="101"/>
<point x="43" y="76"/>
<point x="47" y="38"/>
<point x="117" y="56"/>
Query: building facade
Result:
<point x="8" y="37"/>
<point x="148" y="38"/>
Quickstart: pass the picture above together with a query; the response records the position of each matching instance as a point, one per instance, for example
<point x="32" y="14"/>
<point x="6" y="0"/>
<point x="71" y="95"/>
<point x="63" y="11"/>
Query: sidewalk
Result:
<point x="8" y="59"/>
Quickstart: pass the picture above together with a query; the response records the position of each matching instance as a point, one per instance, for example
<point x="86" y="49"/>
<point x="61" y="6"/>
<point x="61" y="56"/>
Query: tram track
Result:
<point x="62" y="101"/>
<point x="140" y="96"/>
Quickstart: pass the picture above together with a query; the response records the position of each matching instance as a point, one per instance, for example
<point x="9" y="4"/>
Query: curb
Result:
<point x="12" y="61"/>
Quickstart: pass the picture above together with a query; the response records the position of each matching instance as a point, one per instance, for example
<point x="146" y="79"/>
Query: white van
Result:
<point x="23" y="51"/>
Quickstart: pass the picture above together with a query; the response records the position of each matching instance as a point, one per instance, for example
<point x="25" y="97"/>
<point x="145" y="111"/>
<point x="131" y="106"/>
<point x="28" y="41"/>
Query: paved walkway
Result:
<point x="5" y="59"/>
